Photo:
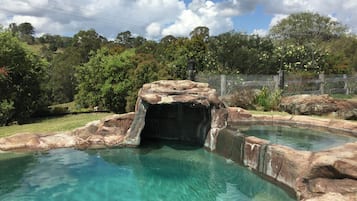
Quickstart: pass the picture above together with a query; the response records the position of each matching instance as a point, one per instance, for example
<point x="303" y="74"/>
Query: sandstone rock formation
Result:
<point x="325" y="175"/>
<point x="183" y="97"/>
<point x="191" y="110"/>
<point x="107" y="132"/>
<point x="319" y="105"/>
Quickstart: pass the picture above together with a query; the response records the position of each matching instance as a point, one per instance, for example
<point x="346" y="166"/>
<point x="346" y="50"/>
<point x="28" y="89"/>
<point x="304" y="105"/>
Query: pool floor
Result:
<point x="164" y="171"/>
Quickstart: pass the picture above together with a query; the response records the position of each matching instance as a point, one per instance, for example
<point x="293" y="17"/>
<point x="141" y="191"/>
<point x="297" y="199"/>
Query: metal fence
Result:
<point x="290" y="83"/>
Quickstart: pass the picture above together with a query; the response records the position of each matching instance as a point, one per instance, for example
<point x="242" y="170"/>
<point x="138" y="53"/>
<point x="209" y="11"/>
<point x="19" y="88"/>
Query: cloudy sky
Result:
<point x="156" y="18"/>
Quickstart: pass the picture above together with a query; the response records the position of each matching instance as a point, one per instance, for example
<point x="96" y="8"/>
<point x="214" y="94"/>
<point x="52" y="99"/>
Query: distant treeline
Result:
<point x="93" y="71"/>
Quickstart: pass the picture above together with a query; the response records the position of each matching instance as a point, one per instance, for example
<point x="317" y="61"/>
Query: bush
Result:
<point x="6" y="111"/>
<point x="268" y="99"/>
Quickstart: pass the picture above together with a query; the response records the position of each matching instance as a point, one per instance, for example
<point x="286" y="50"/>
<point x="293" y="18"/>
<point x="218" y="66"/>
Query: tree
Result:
<point x="128" y="41"/>
<point x="26" y="28"/>
<point x="307" y="27"/>
<point x="62" y="79"/>
<point x="146" y="69"/>
<point x="294" y="58"/>
<point x="21" y="74"/>
<point x="200" y="33"/>
<point x="103" y="81"/>
<point x="87" y="41"/>
<point x="343" y="53"/>
<point x="241" y="53"/>
<point x="24" y="31"/>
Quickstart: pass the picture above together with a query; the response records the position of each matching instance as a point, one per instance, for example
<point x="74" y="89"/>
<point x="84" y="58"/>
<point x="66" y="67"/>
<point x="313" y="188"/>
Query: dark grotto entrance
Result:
<point x="184" y="122"/>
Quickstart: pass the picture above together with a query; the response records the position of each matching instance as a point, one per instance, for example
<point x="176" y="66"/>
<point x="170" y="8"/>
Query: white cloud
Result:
<point x="200" y="13"/>
<point x="156" y="18"/>
<point x="153" y="30"/>
<point x="260" y="32"/>
<point x="276" y="19"/>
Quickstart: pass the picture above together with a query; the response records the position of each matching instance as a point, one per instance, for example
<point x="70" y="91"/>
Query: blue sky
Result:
<point x="258" y="19"/>
<point x="156" y="18"/>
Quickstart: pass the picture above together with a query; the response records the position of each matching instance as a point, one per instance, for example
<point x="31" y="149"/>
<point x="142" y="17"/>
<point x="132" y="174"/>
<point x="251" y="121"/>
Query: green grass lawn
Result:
<point x="53" y="124"/>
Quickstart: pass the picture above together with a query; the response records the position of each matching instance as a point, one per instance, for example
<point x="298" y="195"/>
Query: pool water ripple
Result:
<point x="165" y="172"/>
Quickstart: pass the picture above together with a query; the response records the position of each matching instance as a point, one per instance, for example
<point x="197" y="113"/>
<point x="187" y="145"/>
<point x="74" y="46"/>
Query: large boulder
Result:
<point x="330" y="171"/>
<point x="319" y="105"/>
<point x="191" y="107"/>
<point x="308" y="104"/>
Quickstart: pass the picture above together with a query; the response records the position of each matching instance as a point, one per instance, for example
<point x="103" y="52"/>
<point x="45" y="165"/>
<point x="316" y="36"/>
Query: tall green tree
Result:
<point x="24" y="31"/>
<point x="21" y="74"/>
<point x="62" y="80"/>
<point x="103" y="81"/>
<point x="87" y="41"/>
<point x="306" y="27"/>
<point x="145" y="69"/>
<point x="300" y="58"/>
<point x="127" y="40"/>
<point x="242" y="53"/>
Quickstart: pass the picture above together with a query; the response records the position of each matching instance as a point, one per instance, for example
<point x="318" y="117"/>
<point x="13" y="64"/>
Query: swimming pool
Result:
<point x="297" y="138"/>
<point x="160" y="171"/>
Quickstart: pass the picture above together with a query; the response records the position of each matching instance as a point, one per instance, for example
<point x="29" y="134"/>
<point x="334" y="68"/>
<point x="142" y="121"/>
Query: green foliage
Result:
<point x="61" y="73"/>
<point x="294" y="58"/>
<point x="147" y="69"/>
<point x="20" y="80"/>
<point x="343" y="53"/>
<point x="24" y="31"/>
<point x="268" y="99"/>
<point x="6" y="111"/>
<point x="306" y="27"/>
<point x="87" y="41"/>
<point x="103" y="81"/>
<point x="126" y="40"/>
<point x="108" y="74"/>
<point x="241" y="53"/>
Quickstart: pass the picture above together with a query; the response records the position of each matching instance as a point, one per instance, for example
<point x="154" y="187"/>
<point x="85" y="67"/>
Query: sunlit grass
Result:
<point x="53" y="124"/>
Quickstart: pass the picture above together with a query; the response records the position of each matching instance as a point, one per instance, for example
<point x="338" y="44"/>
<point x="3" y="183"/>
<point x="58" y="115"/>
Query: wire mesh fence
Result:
<point x="290" y="83"/>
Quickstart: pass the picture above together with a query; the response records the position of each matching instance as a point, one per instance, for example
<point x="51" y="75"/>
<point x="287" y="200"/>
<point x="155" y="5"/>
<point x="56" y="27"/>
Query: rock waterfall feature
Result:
<point x="178" y="110"/>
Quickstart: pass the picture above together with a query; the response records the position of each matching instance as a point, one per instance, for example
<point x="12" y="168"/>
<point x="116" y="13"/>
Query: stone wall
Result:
<point x="314" y="176"/>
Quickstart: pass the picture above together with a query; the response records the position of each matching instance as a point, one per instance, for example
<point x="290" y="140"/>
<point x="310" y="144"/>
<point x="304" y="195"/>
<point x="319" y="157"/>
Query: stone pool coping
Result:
<point x="314" y="176"/>
<point x="333" y="125"/>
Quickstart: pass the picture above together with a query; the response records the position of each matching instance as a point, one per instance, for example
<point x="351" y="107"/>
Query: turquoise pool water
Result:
<point x="153" y="172"/>
<point x="297" y="138"/>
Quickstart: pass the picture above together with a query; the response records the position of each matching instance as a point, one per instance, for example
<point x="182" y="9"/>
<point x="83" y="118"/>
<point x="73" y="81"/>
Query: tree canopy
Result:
<point x="21" y="74"/>
<point x="307" y="27"/>
<point x="94" y="71"/>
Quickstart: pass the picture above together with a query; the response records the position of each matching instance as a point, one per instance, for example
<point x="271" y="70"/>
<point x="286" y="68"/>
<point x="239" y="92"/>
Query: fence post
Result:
<point x="322" y="82"/>
<point x="345" y="80"/>
<point x="276" y="82"/>
<point x="223" y="85"/>
<point x="281" y="79"/>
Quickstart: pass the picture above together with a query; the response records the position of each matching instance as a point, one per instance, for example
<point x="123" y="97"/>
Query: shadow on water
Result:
<point x="149" y="145"/>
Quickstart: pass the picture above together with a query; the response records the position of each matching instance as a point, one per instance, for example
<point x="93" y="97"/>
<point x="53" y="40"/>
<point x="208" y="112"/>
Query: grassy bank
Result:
<point x="52" y="124"/>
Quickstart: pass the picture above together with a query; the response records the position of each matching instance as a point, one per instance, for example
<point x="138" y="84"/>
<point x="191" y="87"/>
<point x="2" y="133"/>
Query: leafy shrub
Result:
<point x="6" y="111"/>
<point x="268" y="99"/>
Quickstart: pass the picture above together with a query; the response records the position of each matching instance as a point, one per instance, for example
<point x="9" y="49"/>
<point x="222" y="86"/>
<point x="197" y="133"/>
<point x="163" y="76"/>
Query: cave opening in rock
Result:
<point x="183" y="122"/>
